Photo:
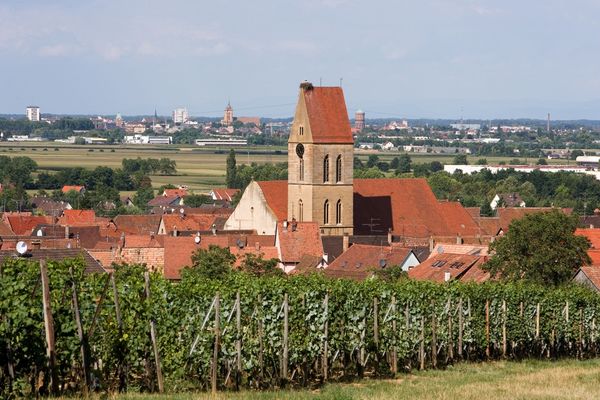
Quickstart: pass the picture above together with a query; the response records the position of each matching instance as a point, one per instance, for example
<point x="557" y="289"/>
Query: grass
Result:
<point x="567" y="379"/>
<point x="199" y="168"/>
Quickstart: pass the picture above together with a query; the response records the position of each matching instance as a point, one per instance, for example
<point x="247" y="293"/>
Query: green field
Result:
<point x="568" y="379"/>
<point x="199" y="168"/>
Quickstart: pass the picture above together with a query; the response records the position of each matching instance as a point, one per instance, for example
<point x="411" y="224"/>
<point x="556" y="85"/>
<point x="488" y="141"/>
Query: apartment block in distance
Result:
<point x="33" y="113"/>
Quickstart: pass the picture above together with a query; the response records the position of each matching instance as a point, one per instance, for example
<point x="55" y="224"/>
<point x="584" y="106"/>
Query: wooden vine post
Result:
<point x="460" y="328"/>
<point x="325" y="337"/>
<point x="159" y="376"/>
<point x="450" y="336"/>
<point x="81" y="336"/>
<point x="121" y="369"/>
<point x="217" y="333"/>
<point x="504" y="349"/>
<point x="238" y="342"/>
<point x="433" y="336"/>
<point x="487" y="328"/>
<point x="261" y="365"/>
<point x="49" y="328"/>
<point x="537" y="321"/>
<point x="284" y="366"/>
<point x="394" y="351"/>
<point x="9" y="362"/>
<point x="422" y="345"/>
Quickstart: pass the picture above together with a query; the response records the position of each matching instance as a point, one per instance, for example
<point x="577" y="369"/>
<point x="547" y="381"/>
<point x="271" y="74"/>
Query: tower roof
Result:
<point x="327" y="114"/>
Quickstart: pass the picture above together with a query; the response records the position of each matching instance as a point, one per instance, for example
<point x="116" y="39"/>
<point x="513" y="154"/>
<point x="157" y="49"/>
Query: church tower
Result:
<point x="321" y="161"/>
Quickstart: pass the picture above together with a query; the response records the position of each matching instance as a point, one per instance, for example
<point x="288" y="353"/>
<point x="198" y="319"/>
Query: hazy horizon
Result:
<point x="433" y="59"/>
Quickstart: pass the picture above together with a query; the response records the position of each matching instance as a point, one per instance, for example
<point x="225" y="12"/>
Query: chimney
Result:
<point x="67" y="232"/>
<point x="431" y="244"/>
<point x="390" y="237"/>
<point x="294" y="225"/>
<point x="447" y="276"/>
<point x="213" y="228"/>
<point x="346" y="242"/>
<point x="175" y="230"/>
<point x="285" y="225"/>
<point x="458" y="239"/>
<point x="257" y="245"/>
<point x="122" y="241"/>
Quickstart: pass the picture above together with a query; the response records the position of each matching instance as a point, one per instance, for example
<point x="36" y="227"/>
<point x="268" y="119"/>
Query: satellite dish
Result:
<point x="240" y="243"/>
<point x="21" y="248"/>
<point x="440" y="249"/>
<point x="39" y="233"/>
<point x="382" y="263"/>
<point x="181" y="211"/>
<point x="197" y="239"/>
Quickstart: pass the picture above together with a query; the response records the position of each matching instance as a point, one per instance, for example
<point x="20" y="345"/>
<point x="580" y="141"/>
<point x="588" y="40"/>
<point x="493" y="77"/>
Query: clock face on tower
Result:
<point x="300" y="150"/>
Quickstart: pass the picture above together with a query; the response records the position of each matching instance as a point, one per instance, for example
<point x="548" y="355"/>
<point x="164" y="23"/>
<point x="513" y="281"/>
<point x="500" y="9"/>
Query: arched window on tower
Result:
<point x="338" y="212"/>
<point x="326" y="213"/>
<point x="338" y="169"/>
<point x="301" y="171"/>
<point x="300" y="210"/>
<point x="326" y="169"/>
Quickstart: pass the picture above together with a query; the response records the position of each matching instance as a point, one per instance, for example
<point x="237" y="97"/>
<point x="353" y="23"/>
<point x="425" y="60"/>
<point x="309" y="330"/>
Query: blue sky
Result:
<point x="418" y="58"/>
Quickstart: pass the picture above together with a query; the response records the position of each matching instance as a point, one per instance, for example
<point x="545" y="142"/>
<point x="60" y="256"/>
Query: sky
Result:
<point x="398" y="58"/>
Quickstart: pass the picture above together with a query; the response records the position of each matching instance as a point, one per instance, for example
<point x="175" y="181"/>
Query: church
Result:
<point x="321" y="189"/>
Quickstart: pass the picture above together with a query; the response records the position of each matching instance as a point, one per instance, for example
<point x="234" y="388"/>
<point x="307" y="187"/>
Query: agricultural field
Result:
<point x="199" y="168"/>
<point x="567" y="379"/>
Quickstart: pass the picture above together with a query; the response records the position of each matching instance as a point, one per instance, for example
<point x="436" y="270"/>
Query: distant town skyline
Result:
<point x="446" y="59"/>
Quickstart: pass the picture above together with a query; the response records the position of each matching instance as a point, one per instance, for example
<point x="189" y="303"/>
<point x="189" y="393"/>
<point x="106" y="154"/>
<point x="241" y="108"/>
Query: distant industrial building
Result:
<point x="222" y="142"/>
<point x="180" y="116"/>
<point x="466" y="127"/>
<point x="145" y="139"/>
<point x="588" y="161"/>
<point x="33" y="113"/>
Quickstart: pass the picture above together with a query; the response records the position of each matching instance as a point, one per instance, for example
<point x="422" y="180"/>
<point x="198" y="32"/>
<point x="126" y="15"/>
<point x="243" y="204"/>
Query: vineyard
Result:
<point x="63" y="332"/>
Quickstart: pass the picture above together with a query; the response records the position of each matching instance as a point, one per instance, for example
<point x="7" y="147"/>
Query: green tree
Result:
<point x="576" y="153"/>
<point x="404" y="164"/>
<point x="482" y="161"/>
<point x="142" y="196"/>
<point x="214" y="263"/>
<point x="258" y="266"/>
<point x="372" y="161"/>
<point x="231" y="177"/>
<point x="368" y="173"/>
<point x="196" y="200"/>
<point x="542" y="161"/>
<point x="460" y="159"/>
<point x="540" y="248"/>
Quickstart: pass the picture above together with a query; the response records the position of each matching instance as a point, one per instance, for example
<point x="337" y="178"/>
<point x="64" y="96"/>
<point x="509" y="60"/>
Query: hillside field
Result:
<point x="201" y="168"/>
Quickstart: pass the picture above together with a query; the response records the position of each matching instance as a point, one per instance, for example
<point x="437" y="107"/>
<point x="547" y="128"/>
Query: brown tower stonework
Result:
<point x="321" y="160"/>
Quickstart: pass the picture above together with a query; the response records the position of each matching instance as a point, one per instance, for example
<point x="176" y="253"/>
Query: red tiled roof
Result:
<point x="490" y="226"/>
<point x="593" y="274"/>
<point x="91" y="265"/>
<point x="266" y="252"/>
<point x="144" y="241"/>
<point x="464" y="267"/>
<point x="275" y="193"/>
<point x="593" y="236"/>
<point x="137" y="224"/>
<point x="68" y="188"/>
<point x="224" y="194"/>
<point x="175" y="192"/>
<point x="5" y="229"/>
<point x="78" y="217"/>
<point x="305" y="240"/>
<point x="179" y="250"/>
<point x="164" y="201"/>
<point x="360" y="261"/>
<point x="192" y="222"/>
<point x="409" y="208"/>
<point x="327" y="115"/>
<point x="24" y="224"/>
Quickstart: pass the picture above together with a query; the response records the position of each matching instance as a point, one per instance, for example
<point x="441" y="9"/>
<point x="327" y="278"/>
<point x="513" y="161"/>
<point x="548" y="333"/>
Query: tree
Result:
<point x="576" y="153"/>
<point x="196" y="200"/>
<point x="461" y="159"/>
<point x="231" y="177"/>
<point x="142" y="196"/>
<point x="404" y="164"/>
<point x="368" y="173"/>
<point x="214" y="263"/>
<point x="542" y="161"/>
<point x="394" y="163"/>
<point x="540" y="248"/>
<point x="436" y="166"/>
<point x="372" y="161"/>
<point x="258" y="266"/>
<point x="482" y="161"/>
